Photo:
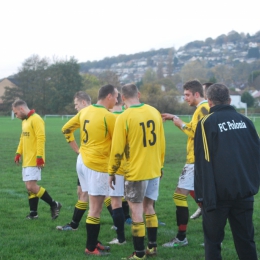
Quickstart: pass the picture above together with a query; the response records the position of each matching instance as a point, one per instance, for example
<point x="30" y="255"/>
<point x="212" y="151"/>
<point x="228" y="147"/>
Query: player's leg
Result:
<point x="119" y="220"/>
<point x="82" y="191"/>
<point x="159" y="222"/>
<point x="134" y="194"/>
<point x="107" y="202"/>
<point x="126" y="210"/>
<point x="79" y="210"/>
<point x="30" y="176"/>
<point x="185" y="184"/>
<point x="82" y="203"/>
<point x="80" y="207"/>
<point x="33" y="205"/>
<point x="118" y="213"/>
<point x="151" y="219"/>
<point x="97" y="190"/>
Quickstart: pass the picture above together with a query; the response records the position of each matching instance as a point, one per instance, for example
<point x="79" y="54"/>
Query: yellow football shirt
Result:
<point x="139" y="135"/>
<point x="32" y="140"/>
<point x="96" y="125"/>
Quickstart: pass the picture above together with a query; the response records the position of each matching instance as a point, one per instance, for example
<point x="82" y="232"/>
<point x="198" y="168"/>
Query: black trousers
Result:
<point x="239" y="214"/>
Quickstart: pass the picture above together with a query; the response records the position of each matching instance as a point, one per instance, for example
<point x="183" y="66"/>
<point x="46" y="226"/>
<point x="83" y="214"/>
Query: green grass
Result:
<point x="38" y="239"/>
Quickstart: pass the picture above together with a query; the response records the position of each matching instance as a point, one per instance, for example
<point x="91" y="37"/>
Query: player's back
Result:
<point x="145" y="142"/>
<point x="96" y="130"/>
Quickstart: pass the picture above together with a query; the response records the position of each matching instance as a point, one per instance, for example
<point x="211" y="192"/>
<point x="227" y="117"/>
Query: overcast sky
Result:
<point x="93" y="30"/>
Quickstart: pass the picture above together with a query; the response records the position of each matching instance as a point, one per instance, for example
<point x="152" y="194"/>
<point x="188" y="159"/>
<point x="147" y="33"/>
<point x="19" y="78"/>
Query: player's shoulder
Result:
<point x="203" y="108"/>
<point x="153" y="108"/>
<point x="36" y="117"/>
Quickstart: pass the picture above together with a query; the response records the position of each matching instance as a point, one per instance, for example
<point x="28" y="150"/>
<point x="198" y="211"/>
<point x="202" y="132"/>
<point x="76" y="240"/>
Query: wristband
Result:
<point x="183" y="126"/>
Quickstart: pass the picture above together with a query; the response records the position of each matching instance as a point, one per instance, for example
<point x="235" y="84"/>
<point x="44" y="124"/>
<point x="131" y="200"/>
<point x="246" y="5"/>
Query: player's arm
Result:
<point x="189" y="128"/>
<point x="167" y="116"/>
<point x="20" y="145"/>
<point x="74" y="146"/>
<point x="19" y="151"/>
<point x="69" y="128"/>
<point x="118" y="146"/>
<point x="39" y="130"/>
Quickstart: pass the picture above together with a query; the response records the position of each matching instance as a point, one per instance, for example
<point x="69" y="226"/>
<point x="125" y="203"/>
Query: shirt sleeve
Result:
<point x="118" y="146"/>
<point x="69" y="128"/>
<point x="190" y="128"/>
<point x="39" y="130"/>
<point x="20" y="146"/>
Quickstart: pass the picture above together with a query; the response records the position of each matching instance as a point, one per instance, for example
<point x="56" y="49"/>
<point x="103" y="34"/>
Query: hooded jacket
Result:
<point x="227" y="157"/>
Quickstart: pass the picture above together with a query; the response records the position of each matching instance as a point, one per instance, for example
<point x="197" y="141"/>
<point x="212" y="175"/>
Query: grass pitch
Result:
<point x="39" y="240"/>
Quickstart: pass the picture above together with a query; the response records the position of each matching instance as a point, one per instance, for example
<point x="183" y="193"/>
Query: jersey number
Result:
<point x="85" y="130"/>
<point x="149" y="124"/>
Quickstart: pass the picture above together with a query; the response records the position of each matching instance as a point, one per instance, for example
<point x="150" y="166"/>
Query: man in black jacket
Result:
<point x="227" y="174"/>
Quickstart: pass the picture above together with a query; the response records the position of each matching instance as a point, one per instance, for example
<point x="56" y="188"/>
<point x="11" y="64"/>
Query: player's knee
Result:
<point x="180" y="200"/>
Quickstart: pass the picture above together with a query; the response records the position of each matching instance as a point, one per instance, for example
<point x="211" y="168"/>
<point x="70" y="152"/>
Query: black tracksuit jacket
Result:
<point x="227" y="157"/>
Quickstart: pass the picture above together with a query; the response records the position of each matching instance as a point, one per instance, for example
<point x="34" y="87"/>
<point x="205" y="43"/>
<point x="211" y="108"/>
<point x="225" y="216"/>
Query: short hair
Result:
<point x="119" y="99"/>
<point x="207" y="85"/>
<point x="218" y="94"/>
<point x="82" y="95"/>
<point x="19" y="102"/>
<point x="130" y="90"/>
<point x="194" y="86"/>
<point x="106" y="90"/>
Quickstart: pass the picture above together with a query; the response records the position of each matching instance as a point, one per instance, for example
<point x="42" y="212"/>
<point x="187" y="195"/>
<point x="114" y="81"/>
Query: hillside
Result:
<point x="225" y="49"/>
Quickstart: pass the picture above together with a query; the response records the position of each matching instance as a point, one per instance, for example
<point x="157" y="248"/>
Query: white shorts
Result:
<point x="135" y="191"/>
<point x="82" y="173"/>
<point x="186" y="180"/>
<point x="31" y="174"/>
<point x="119" y="187"/>
<point x="97" y="183"/>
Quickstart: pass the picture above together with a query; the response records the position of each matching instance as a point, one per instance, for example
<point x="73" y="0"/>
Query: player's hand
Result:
<point x="167" y="116"/>
<point x="112" y="181"/>
<point x="17" y="158"/>
<point x="39" y="162"/>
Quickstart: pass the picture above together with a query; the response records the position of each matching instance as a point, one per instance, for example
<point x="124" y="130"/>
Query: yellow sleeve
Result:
<point x="39" y="129"/>
<point x="69" y="128"/>
<point x="190" y="128"/>
<point x="20" y="146"/>
<point x="118" y="146"/>
<point x="199" y="113"/>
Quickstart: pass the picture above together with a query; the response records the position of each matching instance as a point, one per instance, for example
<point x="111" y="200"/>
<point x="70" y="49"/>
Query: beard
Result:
<point x="23" y="116"/>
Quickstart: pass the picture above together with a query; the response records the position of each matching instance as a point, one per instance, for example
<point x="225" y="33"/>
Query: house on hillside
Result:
<point x="6" y="82"/>
<point x="236" y="101"/>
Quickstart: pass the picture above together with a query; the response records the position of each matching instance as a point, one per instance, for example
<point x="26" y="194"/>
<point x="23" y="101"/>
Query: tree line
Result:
<point x="49" y="86"/>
